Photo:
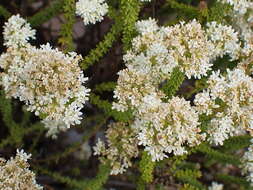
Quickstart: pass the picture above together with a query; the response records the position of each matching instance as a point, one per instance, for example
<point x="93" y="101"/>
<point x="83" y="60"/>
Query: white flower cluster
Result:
<point x="132" y="88"/>
<point x="47" y="80"/>
<point x="239" y="6"/>
<point x="162" y="48"/>
<point x="17" y="32"/>
<point x="247" y="164"/>
<point x="15" y="173"/>
<point x="190" y="48"/>
<point x="225" y="40"/>
<point x="246" y="63"/>
<point x="91" y="11"/>
<point x="158" y="50"/>
<point x="215" y="186"/>
<point x="230" y="102"/>
<point x="167" y="127"/>
<point x="122" y="147"/>
<point x="244" y="24"/>
<point x="242" y="16"/>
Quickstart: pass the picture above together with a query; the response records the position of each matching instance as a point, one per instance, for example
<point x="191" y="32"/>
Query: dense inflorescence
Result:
<point x="225" y="40"/>
<point x="47" y="80"/>
<point x="229" y="100"/>
<point x="15" y="173"/>
<point x="162" y="48"/>
<point x="242" y="16"/>
<point x="168" y="127"/>
<point x="91" y="11"/>
<point x="158" y="50"/>
<point x="239" y="6"/>
<point x="17" y="32"/>
<point x="120" y="149"/>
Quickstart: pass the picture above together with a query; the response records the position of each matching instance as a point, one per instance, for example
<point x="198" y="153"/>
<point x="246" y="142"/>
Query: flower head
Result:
<point x="91" y="11"/>
<point x="15" y="173"/>
<point x="230" y="104"/>
<point x="168" y="128"/>
<point x="17" y="32"/>
<point x="47" y="80"/>
<point x="122" y="147"/>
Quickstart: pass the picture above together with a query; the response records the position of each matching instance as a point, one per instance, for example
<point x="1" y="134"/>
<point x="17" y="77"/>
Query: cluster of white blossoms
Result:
<point x="17" y="32"/>
<point x="246" y="63"/>
<point x="190" y="48"/>
<point x="215" y="186"/>
<point x="228" y="99"/>
<point x="15" y="173"/>
<point x="132" y="88"/>
<point x="164" y="127"/>
<point x="47" y="80"/>
<point x="225" y="40"/>
<point x="244" y="24"/>
<point x="239" y="6"/>
<point x="121" y="147"/>
<point x="247" y="164"/>
<point x="242" y="16"/>
<point x="158" y="50"/>
<point x="91" y="11"/>
<point x="168" y="127"/>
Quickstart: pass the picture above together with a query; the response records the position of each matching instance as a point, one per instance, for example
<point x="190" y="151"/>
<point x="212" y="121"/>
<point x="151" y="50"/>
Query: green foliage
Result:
<point x="204" y="121"/>
<point x="46" y="14"/>
<point x="100" y="179"/>
<point x="107" y="107"/>
<point x="190" y="177"/>
<point x="6" y="110"/>
<point x="146" y="167"/>
<point x="190" y="11"/>
<point x="129" y="14"/>
<point x="159" y="187"/>
<point x="90" y="131"/>
<point x="227" y="179"/>
<point x="66" y="33"/>
<point x="172" y="85"/>
<point x="141" y="185"/>
<point x="186" y="172"/>
<point x="15" y="131"/>
<point x="4" y="12"/>
<point x="217" y="155"/>
<point x="236" y="143"/>
<point x="105" y="86"/>
<point x="62" y="179"/>
<point x="198" y="87"/>
<point x="188" y="187"/>
<point x="103" y="47"/>
<point x="218" y="12"/>
<point x="86" y="184"/>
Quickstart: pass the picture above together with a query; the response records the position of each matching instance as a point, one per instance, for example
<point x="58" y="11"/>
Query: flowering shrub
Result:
<point x="167" y="102"/>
